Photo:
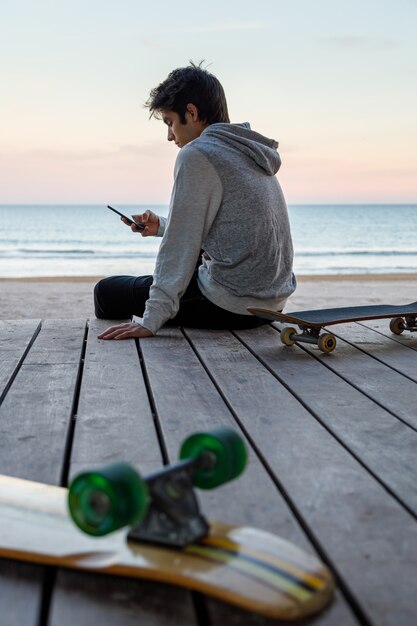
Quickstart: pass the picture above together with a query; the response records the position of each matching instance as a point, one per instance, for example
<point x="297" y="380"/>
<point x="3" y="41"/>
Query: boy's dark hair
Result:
<point x="190" y="85"/>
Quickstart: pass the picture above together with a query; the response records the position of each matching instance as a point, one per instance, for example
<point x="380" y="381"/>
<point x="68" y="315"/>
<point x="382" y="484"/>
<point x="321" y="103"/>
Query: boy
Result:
<point x="226" y="242"/>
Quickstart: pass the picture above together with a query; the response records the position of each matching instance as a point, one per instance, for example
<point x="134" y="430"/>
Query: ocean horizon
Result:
<point x="89" y="240"/>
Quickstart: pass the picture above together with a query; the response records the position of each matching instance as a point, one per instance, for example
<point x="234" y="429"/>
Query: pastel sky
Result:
<point x="335" y="82"/>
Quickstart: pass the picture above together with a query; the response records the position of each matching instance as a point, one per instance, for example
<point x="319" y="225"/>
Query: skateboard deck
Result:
<point x="250" y="568"/>
<point x="403" y="317"/>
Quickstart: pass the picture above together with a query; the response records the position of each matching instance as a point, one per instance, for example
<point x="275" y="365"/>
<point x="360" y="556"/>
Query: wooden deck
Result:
<point x="333" y="456"/>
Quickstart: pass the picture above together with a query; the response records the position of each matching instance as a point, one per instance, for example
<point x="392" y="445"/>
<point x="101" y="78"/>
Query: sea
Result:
<point x="90" y="240"/>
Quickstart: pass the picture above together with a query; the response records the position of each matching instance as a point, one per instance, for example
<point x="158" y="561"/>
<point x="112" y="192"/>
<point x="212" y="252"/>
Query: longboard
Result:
<point x="403" y="317"/>
<point x="246" y="567"/>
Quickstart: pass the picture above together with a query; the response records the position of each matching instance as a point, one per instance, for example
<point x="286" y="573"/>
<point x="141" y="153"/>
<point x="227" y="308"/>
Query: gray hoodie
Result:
<point x="226" y="201"/>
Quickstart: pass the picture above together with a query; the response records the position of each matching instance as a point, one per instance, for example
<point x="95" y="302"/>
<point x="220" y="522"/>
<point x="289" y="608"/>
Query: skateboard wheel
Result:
<point x="227" y="449"/>
<point x="327" y="342"/>
<point x="287" y="336"/>
<point x="396" y="326"/>
<point x="103" y="500"/>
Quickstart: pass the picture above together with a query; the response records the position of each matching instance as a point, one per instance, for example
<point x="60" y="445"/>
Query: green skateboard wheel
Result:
<point x="102" y="501"/>
<point x="227" y="449"/>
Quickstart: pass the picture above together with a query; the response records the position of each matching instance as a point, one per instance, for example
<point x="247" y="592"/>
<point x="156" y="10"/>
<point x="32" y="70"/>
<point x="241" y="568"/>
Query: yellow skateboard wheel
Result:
<point x="327" y="342"/>
<point x="287" y="336"/>
<point x="396" y="325"/>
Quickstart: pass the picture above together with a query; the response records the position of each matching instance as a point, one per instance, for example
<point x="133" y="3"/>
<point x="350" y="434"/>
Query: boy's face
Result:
<point x="182" y="134"/>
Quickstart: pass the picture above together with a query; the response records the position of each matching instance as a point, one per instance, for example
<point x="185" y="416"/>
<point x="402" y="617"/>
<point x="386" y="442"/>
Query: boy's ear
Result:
<point x="192" y="109"/>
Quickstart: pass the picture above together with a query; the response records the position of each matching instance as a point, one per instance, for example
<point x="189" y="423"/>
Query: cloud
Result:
<point x="360" y="42"/>
<point x="217" y="28"/>
<point x="126" y="151"/>
<point x="150" y="43"/>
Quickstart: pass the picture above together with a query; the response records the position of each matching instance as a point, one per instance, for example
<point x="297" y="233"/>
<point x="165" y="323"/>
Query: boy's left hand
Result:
<point x="127" y="330"/>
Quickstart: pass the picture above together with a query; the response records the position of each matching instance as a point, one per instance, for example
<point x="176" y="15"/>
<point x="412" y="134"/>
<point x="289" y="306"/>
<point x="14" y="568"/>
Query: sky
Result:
<point x="335" y="82"/>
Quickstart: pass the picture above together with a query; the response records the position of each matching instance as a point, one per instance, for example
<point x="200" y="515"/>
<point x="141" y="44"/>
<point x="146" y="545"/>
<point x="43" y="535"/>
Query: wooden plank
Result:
<point x="368" y="536"/>
<point x="85" y="599"/>
<point x="386" y="445"/>
<point x="384" y="347"/>
<point x="187" y="401"/>
<point x="35" y="414"/>
<point x="114" y="422"/>
<point x="15" y="339"/>
<point x="20" y="593"/>
<point x="379" y="367"/>
<point x="114" y="419"/>
<point x="34" y="419"/>
<point x="406" y="339"/>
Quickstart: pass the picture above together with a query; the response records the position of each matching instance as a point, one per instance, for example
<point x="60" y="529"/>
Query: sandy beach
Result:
<point x="71" y="297"/>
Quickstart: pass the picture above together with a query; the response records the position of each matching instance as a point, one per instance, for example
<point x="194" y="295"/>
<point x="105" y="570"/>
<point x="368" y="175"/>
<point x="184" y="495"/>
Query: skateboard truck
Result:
<point x="161" y="508"/>
<point x="173" y="517"/>
<point x="326" y="341"/>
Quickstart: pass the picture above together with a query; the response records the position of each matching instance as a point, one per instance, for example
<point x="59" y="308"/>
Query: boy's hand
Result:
<point x="150" y="221"/>
<point x="127" y="330"/>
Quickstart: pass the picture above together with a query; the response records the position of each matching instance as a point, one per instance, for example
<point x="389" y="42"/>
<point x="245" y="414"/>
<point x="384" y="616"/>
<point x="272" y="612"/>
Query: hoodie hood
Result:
<point x="260" y="149"/>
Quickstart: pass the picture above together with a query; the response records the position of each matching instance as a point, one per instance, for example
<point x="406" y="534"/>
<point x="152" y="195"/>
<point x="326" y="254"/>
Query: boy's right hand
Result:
<point x="150" y="221"/>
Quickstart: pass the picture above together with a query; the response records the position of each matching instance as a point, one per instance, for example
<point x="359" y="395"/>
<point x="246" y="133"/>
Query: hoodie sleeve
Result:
<point x="162" y="226"/>
<point x="195" y="200"/>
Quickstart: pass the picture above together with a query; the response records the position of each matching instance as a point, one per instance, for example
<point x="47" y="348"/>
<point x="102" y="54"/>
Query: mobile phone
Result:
<point x="129" y="219"/>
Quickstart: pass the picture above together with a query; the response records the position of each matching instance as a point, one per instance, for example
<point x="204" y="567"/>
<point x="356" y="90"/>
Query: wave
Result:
<point x="53" y="251"/>
<point x="342" y="252"/>
<point x="76" y="253"/>
<point x="122" y="252"/>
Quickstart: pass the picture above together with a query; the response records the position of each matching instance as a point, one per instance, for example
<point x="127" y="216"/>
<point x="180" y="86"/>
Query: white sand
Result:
<point x="63" y="298"/>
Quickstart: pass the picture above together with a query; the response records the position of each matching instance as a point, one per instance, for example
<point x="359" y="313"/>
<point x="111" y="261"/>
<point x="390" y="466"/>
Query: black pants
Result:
<point x="120" y="297"/>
